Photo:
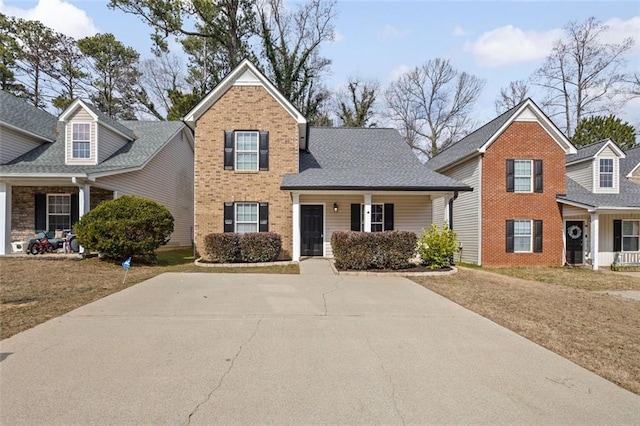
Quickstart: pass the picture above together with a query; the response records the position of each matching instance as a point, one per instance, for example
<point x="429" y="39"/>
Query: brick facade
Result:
<point x="23" y="206"/>
<point x="522" y="140"/>
<point x="244" y="108"/>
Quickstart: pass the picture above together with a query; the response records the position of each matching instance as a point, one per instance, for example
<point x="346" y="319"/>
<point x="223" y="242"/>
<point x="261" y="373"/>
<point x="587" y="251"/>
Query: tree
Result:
<point x="160" y="77"/>
<point x="593" y="129"/>
<point x="9" y="50"/>
<point x="116" y="74"/>
<point x="431" y="105"/>
<point x="290" y="46"/>
<point x="511" y="96"/>
<point x="69" y="72"/>
<point x="356" y="104"/>
<point x="582" y="75"/>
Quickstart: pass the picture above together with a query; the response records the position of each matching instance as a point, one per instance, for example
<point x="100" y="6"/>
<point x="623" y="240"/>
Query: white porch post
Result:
<point x="5" y="218"/>
<point x="84" y="197"/>
<point x="296" y="227"/>
<point x="367" y="212"/>
<point x="594" y="241"/>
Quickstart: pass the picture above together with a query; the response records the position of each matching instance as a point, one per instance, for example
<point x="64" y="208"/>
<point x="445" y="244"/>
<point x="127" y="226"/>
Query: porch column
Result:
<point x="5" y="218"/>
<point x="296" y="228"/>
<point x="594" y="241"/>
<point x="84" y="197"/>
<point x="367" y="212"/>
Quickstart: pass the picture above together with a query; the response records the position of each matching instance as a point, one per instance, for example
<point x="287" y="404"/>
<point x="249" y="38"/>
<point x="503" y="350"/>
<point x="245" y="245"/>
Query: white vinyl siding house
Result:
<point x="582" y="173"/>
<point x="13" y="144"/>
<point x="606" y="172"/>
<point x="81" y="116"/>
<point x="109" y="142"/>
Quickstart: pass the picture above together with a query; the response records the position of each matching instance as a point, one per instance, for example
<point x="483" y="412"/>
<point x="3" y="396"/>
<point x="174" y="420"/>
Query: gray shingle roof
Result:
<point x="363" y="158"/>
<point x="586" y="152"/>
<point x="631" y="161"/>
<point x="629" y="195"/>
<point x="105" y="119"/>
<point x="472" y="142"/>
<point x="50" y="158"/>
<point x="18" y="113"/>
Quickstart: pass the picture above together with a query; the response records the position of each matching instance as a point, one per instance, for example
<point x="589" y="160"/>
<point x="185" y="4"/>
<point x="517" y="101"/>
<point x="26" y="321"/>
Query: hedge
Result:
<point x="251" y="247"/>
<point x="373" y="250"/>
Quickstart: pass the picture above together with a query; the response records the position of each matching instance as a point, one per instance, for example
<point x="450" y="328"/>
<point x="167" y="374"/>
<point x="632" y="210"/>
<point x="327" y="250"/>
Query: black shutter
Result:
<point x="617" y="235"/>
<point x="41" y="212"/>
<point x="509" y="236"/>
<point x="538" y="176"/>
<point x="355" y="217"/>
<point x="537" y="236"/>
<point x="510" y="175"/>
<point x="263" y="216"/>
<point x="388" y="217"/>
<point x="228" y="217"/>
<point x="263" y="159"/>
<point x="75" y="209"/>
<point x="228" y="149"/>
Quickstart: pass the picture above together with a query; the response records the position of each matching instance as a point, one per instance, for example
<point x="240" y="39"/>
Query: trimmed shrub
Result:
<point x="260" y="247"/>
<point x="436" y="248"/>
<point x="222" y="248"/>
<point x="373" y="250"/>
<point x="126" y="226"/>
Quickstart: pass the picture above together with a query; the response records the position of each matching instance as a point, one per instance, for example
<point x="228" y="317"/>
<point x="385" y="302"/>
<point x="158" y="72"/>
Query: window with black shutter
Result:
<point x="510" y="237"/>
<point x="617" y="235"/>
<point x="510" y="176"/>
<point x="538" y="187"/>
<point x="264" y="217"/>
<point x="355" y="217"/>
<point x="228" y="217"/>
<point x="388" y="217"/>
<point x="537" y="236"/>
<point x="263" y="161"/>
<point x="229" y="142"/>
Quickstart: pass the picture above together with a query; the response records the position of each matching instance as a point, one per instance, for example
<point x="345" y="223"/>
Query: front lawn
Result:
<point x="34" y="289"/>
<point x="558" y="309"/>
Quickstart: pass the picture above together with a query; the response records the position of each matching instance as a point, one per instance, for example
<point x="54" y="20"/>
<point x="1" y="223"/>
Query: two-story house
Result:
<point x="601" y="207"/>
<point x="260" y="167"/>
<point x="516" y="166"/>
<point x="54" y="169"/>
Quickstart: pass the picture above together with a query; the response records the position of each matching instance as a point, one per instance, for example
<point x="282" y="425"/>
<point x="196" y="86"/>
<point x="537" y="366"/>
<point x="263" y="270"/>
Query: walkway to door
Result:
<point x="315" y="266"/>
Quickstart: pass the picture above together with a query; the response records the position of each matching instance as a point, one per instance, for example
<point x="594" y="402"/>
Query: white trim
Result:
<point x="553" y="131"/>
<point x="367" y="213"/>
<point x="324" y="226"/>
<point x="53" y="194"/>
<point x="83" y="123"/>
<point x="531" y="235"/>
<point x="236" y="150"/>
<point x="630" y="175"/>
<point x="480" y="211"/>
<point x="79" y="103"/>
<point x="628" y="236"/>
<point x="565" y="261"/>
<point x="296" y="227"/>
<point x="235" y="215"/>
<point x="531" y="175"/>
<point x="5" y="218"/>
<point x="619" y="152"/>
<point x="26" y="132"/>
<point x="594" y="230"/>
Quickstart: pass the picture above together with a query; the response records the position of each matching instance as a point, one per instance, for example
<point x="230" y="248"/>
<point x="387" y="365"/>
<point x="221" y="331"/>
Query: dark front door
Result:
<point x="311" y="223"/>
<point x="574" y="236"/>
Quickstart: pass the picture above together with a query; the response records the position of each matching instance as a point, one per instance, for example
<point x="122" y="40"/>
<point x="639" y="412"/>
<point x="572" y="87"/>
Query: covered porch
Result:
<point x="318" y="214"/>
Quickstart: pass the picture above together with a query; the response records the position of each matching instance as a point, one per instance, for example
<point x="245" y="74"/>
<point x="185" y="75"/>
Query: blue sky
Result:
<point x="499" y="41"/>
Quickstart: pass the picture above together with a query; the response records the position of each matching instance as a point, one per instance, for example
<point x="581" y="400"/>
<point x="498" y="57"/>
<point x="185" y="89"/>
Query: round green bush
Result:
<point x="126" y="226"/>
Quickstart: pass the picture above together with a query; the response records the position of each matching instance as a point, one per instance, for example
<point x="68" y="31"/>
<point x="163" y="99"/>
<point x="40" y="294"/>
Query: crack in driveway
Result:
<point x="255" y="331"/>
<point x="324" y="295"/>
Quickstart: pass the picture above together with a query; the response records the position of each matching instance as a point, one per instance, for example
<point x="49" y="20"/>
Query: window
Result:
<point x="246" y="150"/>
<point x="377" y="217"/>
<point x="58" y="211"/>
<point x="522" y="175"/>
<point x="246" y="217"/>
<point x="606" y="173"/>
<point x="630" y="235"/>
<point x="81" y="140"/>
<point x="521" y="236"/>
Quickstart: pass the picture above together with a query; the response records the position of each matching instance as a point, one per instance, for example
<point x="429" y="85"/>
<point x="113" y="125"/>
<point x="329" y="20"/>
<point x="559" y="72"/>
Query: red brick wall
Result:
<point x="244" y="108"/>
<point x="522" y="140"/>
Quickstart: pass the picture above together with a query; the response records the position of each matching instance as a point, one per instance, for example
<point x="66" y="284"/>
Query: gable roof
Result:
<point x="99" y="116"/>
<point x="589" y="152"/>
<point x="631" y="162"/>
<point x="49" y="159"/>
<point x="479" y="140"/>
<point x="363" y="159"/>
<point x="19" y="115"/>
<point x="628" y="197"/>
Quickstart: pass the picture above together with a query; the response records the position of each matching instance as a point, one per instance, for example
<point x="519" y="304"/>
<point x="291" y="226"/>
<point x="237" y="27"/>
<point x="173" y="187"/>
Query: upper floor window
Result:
<point x="246" y="150"/>
<point x="630" y="235"/>
<point x="606" y="173"/>
<point x="81" y="140"/>
<point x="524" y="176"/>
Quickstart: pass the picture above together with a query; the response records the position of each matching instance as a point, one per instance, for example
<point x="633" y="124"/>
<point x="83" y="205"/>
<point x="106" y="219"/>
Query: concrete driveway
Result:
<point x="312" y="349"/>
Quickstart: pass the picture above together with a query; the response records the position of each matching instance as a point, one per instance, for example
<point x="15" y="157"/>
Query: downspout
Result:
<point x="451" y="200"/>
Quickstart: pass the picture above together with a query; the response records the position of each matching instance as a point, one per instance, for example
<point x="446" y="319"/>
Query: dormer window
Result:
<point x="606" y="173"/>
<point x="81" y="140"/>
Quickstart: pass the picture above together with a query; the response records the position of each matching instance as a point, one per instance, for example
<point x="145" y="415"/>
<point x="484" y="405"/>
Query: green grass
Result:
<point x="175" y="257"/>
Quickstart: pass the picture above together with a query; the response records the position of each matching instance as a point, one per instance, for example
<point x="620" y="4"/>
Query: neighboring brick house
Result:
<point x="516" y="165"/>
<point x="260" y="167"/>
<point x="53" y="170"/>
<point x="601" y="207"/>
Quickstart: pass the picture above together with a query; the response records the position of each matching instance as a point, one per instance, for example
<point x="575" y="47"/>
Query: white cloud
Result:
<point x="398" y="71"/>
<point x="619" y="30"/>
<point x="389" y="32"/>
<point x="337" y="36"/>
<point x="58" y="15"/>
<point x="458" y="31"/>
<point x="510" y="45"/>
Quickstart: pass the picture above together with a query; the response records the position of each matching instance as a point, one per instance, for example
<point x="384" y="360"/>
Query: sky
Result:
<point x="499" y="41"/>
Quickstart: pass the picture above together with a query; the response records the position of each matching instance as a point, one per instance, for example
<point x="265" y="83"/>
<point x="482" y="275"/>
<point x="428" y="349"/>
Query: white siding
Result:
<point x="571" y="211"/>
<point x="582" y="173"/>
<point x="167" y="179"/>
<point x="607" y="153"/>
<point x="437" y="211"/>
<point x="13" y="144"/>
<point x="466" y="210"/>
<point x="108" y="143"/>
<point x="81" y="116"/>
<point x="410" y="212"/>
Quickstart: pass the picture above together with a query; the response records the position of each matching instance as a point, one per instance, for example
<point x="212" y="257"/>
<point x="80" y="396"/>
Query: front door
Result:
<point x="573" y="233"/>
<point x="311" y="223"/>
